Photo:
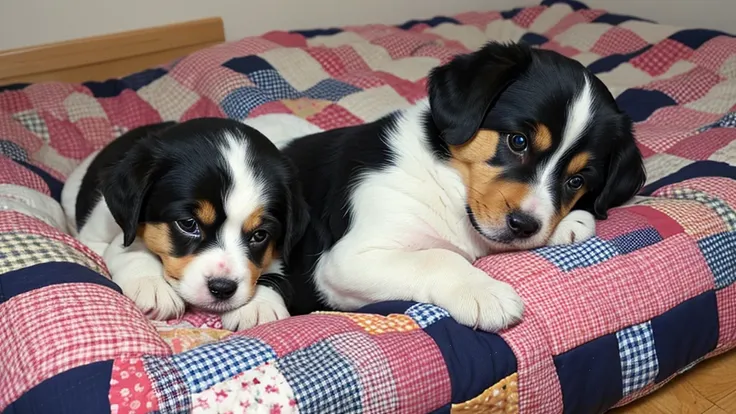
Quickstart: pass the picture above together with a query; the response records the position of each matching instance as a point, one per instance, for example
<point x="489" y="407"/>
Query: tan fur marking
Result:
<point x="480" y="148"/>
<point x="157" y="239"/>
<point x="268" y="257"/>
<point x="205" y="212"/>
<point x="577" y="163"/>
<point x="542" y="138"/>
<point x="254" y="220"/>
<point x="489" y="197"/>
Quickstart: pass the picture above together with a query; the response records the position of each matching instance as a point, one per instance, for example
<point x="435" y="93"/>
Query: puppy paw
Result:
<point x="154" y="297"/>
<point x="265" y="306"/>
<point x="488" y="304"/>
<point x="576" y="227"/>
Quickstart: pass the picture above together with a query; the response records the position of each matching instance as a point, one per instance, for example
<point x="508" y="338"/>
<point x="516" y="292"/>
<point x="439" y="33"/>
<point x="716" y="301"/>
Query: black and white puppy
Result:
<point x="201" y="212"/>
<point x="515" y="148"/>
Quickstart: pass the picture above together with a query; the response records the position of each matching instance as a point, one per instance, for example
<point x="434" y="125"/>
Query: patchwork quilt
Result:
<point x="607" y="321"/>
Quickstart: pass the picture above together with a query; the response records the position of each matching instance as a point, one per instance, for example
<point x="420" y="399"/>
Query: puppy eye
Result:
<point x="518" y="142"/>
<point x="575" y="182"/>
<point x="188" y="226"/>
<point x="258" y="237"/>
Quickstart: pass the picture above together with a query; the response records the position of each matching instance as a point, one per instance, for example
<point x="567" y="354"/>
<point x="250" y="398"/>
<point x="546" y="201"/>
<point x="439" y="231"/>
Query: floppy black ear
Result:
<point x="464" y="90"/>
<point x="625" y="177"/>
<point x="125" y="184"/>
<point x="297" y="213"/>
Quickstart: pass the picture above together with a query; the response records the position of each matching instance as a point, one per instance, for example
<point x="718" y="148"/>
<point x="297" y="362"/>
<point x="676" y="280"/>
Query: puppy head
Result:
<point x="533" y="135"/>
<point x="215" y="201"/>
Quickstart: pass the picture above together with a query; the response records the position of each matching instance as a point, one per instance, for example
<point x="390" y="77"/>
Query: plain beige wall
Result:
<point x="31" y="22"/>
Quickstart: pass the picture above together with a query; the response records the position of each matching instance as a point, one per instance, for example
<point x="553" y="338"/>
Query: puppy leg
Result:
<point x="140" y="275"/>
<point x="437" y="276"/>
<point x="265" y="306"/>
<point x="576" y="227"/>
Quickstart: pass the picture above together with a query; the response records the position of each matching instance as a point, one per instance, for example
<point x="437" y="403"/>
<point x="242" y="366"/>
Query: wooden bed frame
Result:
<point x="104" y="57"/>
<point x="709" y="388"/>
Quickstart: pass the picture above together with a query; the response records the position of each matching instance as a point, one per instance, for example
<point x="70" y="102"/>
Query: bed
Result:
<point x="608" y="321"/>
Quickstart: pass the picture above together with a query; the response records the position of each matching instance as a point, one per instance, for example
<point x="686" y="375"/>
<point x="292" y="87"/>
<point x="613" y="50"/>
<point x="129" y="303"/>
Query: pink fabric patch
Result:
<point x="14" y="173"/>
<point x="131" y="391"/>
<point x="703" y="145"/>
<point x="129" y="110"/>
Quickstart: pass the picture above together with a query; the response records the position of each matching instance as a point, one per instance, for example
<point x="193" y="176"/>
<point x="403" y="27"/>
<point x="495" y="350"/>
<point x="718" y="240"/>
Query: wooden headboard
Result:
<point x="102" y="57"/>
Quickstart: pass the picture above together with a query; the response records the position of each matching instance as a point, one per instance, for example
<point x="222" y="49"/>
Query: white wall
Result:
<point x="31" y="22"/>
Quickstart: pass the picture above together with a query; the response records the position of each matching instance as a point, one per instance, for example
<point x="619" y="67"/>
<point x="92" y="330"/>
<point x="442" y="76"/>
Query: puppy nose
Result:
<point x="222" y="288"/>
<point x="522" y="225"/>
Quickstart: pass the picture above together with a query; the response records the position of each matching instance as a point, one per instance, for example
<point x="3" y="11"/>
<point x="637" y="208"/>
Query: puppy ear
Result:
<point x="463" y="91"/>
<point x="125" y="184"/>
<point x="297" y="215"/>
<point x="626" y="176"/>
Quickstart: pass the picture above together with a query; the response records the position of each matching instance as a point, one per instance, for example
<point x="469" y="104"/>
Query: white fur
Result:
<point x="265" y="306"/>
<point x="421" y="245"/>
<point x="576" y="227"/>
<point x="282" y="128"/>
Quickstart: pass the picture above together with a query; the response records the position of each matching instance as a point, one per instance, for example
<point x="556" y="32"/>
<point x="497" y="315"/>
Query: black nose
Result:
<point x="522" y="225"/>
<point x="222" y="288"/>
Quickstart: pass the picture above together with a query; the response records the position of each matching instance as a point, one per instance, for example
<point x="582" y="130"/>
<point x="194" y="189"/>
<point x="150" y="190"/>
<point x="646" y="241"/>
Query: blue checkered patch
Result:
<point x="204" y="366"/>
<point x="238" y="103"/>
<point x="573" y="256"/>
<point x="323" y="380"/>
<point x="720" y="253"/>
<point x="171" y="389"/>
<point x="425" y="314"/>
<point x="639" y="363"/>
<point x="636" y="240"/>
<point x="276" y="87"/>
<point x="330" y="90"/>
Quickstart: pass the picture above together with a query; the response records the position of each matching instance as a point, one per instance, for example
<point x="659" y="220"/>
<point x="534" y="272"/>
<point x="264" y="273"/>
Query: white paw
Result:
<point x="576" y="227"/>
<point x="486" y="304"/>
<point x="154" y="297"/>
<point x="265" y="306"/>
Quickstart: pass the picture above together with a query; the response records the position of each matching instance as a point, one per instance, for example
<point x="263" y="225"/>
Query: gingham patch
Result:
<point x="209" y="364"/>
<point x="13" y="151"/>
<point x="425" y="314"/>
<point x="720" y="254"/>
<point x="719" y="206"/>
<point x="587" y="253"/>
<point x="167" y="381"/>
<point x="33" y="123"/>
<point x="639" y="364"/>
<point x="323" y="380"/>
<point x="19" y="250"/>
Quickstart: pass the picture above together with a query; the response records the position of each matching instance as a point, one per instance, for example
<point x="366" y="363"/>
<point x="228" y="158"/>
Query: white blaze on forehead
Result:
<point x="241" y="199"/>
<point x="579" y="115"/>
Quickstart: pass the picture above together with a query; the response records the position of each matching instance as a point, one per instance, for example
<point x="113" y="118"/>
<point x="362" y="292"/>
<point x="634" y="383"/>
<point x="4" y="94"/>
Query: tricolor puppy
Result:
<point x="201" y="212"/>
<point x="516" y="148"/>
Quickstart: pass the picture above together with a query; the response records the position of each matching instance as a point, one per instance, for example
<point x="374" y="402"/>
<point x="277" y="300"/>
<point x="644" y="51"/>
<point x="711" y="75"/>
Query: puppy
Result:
<point x="515" y="148"/>
<point x="201" y="212"/>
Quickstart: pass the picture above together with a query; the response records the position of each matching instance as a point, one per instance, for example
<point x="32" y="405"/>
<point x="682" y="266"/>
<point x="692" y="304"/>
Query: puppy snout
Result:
<point x="222" y="289"/>
<point x="522" y="225"/>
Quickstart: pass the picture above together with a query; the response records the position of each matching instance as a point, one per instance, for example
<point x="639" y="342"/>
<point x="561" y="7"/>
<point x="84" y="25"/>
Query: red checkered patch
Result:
<point x="661" y="57"/>
<point x="618" y="40"/>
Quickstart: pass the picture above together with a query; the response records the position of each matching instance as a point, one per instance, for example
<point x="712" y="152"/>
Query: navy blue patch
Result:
<point x="685" y="333"/>
<point x="13" y="87"/>
<point x="590" y="376"/>
<point x="81" y="390"/>
<point x="13" y="151"/>
<point x="143" y="78"/>
<point x="41" y="275"/>
<point x="433" y="22"/>
<point x="616" y="19"/>
<point x="107" y="89"/>
<point x="694" y="170"/>
<point x="533" y="39"/>
<point x="640" y="103"/>
<point x="610" y="63"/>
<point x="694" y="38"/>
<point x="636" y="240"/>
<point x="575" y="5"/>
<point x="239" y="103"/>
<point x="510" y="14"/>
<point x="330" y="90"/>
<point x="475" y="359"/>
<point x="247" y="64"/>
<point x="55" y="186"/>
<point x="317" y="32"/>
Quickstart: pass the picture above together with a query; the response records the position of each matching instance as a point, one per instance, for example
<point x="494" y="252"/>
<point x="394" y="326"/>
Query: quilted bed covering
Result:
<point x="607" y="321"/>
